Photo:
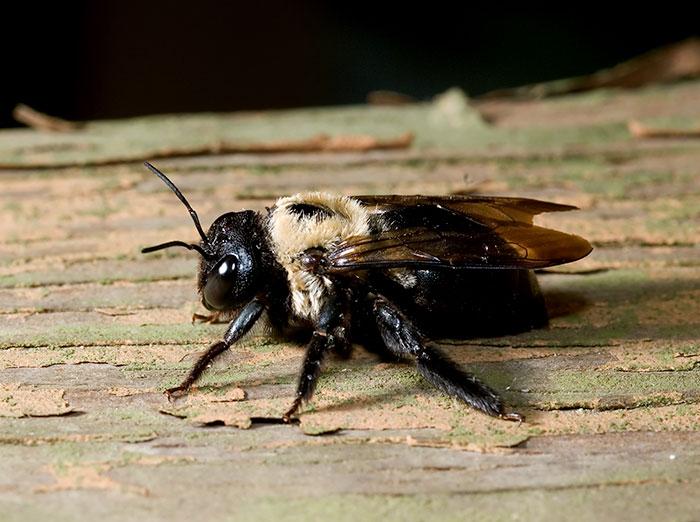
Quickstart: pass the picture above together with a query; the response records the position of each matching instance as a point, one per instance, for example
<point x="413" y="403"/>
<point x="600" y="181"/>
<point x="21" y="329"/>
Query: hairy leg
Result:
<point x="318" y="348"/>
<point x="331" y="333"/>
<point x="403" y="339"/>
<point x="237" y="329"/>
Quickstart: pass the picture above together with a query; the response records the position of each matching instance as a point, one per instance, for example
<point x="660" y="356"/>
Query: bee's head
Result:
<point x="228" y="274"/>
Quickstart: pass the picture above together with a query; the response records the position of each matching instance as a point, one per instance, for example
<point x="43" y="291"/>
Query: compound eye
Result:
<point x="218" y="291"/>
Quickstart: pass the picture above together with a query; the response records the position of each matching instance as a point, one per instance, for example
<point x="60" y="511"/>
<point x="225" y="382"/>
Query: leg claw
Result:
<point x="287" y="417"/>
<point x="176" y="393"/>
<point x="213" y="318"/>
<point x="513" y="417"/>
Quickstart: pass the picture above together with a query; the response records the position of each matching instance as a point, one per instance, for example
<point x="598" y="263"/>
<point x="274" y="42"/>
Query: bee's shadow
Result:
<point x="562" y="303"/>
<point x="270" y="387"/>
<point x="559" y="304"/>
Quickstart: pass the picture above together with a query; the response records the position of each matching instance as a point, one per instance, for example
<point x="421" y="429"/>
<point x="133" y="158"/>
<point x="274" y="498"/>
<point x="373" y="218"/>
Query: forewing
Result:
<point x="458" y="232"/>
<point x="482" y="209"/>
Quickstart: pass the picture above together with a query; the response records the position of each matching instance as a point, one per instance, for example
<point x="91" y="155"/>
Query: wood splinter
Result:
<point x="43" y="122"/>
<point x="641" y="131"/>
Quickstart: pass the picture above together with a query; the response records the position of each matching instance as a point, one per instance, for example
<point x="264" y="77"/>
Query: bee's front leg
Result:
<point x="237" y="329"/>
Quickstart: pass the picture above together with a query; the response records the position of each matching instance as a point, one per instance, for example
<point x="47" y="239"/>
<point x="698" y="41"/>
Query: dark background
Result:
<point x="88" y="60"/>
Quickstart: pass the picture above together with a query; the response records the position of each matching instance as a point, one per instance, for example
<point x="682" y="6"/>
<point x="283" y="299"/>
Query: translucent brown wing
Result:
<point x="484" y="209"/>
<point x="456" y="232"/>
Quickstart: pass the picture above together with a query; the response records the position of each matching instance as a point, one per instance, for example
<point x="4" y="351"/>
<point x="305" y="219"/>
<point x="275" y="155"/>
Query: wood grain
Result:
<point x="611" y="391"/>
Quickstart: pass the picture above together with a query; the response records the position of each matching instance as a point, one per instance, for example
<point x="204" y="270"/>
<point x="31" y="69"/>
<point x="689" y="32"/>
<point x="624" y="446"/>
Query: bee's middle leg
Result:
<point x="331" y="334"/>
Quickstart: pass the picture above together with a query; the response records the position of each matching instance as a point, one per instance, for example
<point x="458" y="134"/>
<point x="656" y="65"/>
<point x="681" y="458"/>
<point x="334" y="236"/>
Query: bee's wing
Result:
<point x="484" y="209"/>
<point x="457" y="232"/>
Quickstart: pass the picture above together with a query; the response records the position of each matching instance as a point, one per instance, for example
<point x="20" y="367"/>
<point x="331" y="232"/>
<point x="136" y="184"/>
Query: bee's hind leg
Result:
<point x="403" y="339"/>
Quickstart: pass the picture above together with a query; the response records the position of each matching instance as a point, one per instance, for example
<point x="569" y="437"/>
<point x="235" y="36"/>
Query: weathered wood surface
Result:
<point x="92" y="332"/>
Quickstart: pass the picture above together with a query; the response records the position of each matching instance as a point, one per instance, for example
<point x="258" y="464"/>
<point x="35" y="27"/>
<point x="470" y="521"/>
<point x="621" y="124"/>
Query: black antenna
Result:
<point x="169" y="244"/>
<point x="179" y="195"/>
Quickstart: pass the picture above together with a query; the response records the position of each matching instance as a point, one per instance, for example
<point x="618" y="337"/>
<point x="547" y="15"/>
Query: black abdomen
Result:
<point x="467" y="303"/>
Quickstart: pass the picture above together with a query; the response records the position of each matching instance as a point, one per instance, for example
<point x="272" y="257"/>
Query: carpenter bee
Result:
<point x="388" y="272"/>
